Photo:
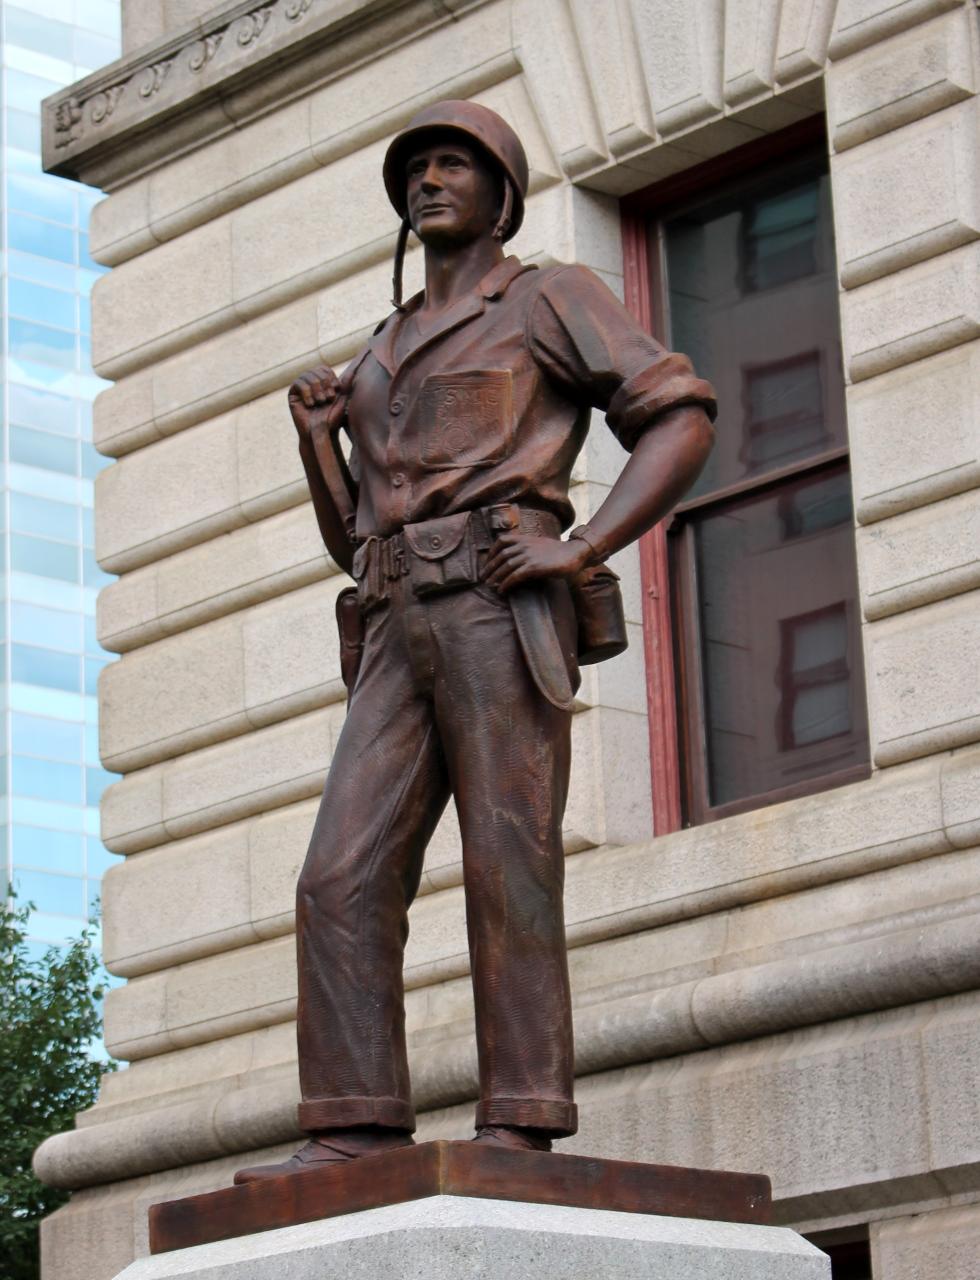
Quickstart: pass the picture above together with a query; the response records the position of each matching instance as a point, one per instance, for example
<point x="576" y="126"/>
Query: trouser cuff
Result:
<point x="316" y="1114"/>
<point x="550" y="1114"/>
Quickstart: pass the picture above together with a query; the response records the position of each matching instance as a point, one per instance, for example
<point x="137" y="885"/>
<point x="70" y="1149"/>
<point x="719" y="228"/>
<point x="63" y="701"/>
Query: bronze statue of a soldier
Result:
<point x="465" y="414"/>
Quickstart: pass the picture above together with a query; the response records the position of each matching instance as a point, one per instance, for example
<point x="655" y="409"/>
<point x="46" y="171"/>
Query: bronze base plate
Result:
<point x="459" y="1169"/>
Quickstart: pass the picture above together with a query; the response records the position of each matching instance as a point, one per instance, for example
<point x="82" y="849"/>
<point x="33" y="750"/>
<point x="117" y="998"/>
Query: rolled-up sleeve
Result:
<point x="589" y="345"/>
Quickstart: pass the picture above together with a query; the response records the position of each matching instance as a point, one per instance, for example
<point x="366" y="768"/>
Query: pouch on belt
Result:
<point x="443" y="557"/>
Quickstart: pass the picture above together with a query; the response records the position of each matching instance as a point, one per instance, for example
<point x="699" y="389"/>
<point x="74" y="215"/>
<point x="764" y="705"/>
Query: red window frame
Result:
<point x="642" y="272"/>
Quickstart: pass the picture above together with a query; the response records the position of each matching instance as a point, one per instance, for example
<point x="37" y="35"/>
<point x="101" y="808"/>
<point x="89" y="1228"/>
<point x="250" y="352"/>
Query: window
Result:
<point x="753" y="629"/>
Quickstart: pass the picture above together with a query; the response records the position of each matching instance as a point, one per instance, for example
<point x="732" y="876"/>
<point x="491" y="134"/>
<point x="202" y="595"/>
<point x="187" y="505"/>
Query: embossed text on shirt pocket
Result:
<point x="466" y="419"/>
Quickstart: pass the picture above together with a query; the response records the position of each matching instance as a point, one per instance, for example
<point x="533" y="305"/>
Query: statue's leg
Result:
<point x="508" y="751"/>
<point x="386" y="790"/>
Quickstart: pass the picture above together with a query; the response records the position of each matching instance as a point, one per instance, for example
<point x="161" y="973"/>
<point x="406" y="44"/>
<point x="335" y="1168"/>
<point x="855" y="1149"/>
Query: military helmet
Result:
<point x="490" y="132"/>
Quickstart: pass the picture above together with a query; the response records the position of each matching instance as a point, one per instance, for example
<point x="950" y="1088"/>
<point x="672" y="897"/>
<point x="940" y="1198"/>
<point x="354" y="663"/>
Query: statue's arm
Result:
<point x="661" y="412"/>
<point x="316" y="402"/>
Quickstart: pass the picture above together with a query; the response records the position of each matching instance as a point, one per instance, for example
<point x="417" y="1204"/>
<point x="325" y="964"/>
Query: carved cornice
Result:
<point x="225" y="69"/>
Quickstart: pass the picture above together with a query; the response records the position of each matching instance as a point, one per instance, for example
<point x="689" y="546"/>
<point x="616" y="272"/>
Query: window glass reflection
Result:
<point x="46" y="306"/>
<point x="39" y="449"/>
<point x="23" y="131"/>
<point x="38" y="342"/>
<point x="92" y="575"/>
<point x="38" y="515"/>
<point x="45" y="239"/>
<point x="780" y="640"/>
<point x="45" y="667"/>
<point x="45" y="197"/>
<point x="752" y="294"/>
<point x="24" y="92"/>
<point x="43" y="270"/>
<point x="96" y="781"/>
<point x="42" y="736"/>
<point x="42" y="847"/>
<point x="34" y="624"/>
<point x="51" y="894"/>
<point x="47" y="780"/>
<point x="43" y="557"/>
<point x="44" y="34"/>
<point x="33" y="408"/>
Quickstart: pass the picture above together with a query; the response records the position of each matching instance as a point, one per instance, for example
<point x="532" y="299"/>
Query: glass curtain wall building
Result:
<point x="52" y="779"/>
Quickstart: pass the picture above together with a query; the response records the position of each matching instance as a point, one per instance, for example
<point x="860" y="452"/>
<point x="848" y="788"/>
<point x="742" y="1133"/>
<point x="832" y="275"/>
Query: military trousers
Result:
<point x="443" y="705"/>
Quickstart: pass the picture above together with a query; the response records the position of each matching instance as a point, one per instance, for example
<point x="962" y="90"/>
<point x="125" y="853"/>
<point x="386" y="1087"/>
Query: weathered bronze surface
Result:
<point x="459" y="1169"/>
<point x="465" y="414"/>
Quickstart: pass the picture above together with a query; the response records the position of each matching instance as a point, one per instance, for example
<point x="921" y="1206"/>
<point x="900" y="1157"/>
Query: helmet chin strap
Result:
<point x="499" y="232"/>
<point x="396" y="280"/>
<point x="506" y="213"/>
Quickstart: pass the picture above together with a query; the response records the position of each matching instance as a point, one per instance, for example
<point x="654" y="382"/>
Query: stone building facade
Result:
<point x="791" y="988"/>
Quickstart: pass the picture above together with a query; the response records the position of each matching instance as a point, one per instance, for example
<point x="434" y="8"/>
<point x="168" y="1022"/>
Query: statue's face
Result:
<point x="452" y="194"/>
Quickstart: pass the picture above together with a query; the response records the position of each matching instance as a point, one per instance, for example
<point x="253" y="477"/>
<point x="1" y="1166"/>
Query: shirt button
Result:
<point x="398" y="479"/>
<point x="397" y="406"/>
<point x="435" y="541"/>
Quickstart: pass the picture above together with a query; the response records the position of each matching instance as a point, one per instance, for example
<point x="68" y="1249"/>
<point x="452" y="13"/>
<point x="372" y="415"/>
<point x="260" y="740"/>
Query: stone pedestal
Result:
<point x="446" y="1237"/>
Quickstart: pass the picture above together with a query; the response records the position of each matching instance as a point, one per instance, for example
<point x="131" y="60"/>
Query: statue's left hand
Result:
<point x="521" y="557"/>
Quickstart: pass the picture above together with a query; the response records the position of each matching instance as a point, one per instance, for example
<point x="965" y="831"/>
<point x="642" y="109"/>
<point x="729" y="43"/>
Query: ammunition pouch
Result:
<point x="441" y="554"/>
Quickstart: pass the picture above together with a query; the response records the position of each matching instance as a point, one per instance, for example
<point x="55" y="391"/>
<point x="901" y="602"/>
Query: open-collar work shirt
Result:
<point x="492" y="402"/>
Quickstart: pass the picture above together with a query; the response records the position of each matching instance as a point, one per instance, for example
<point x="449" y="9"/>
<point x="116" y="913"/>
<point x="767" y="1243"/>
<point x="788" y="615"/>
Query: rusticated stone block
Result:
<point x="900" y="80"/>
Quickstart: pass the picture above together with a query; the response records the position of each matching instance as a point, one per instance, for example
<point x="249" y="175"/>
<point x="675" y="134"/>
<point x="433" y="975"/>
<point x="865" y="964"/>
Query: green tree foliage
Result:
<point x="49" y="1020"/>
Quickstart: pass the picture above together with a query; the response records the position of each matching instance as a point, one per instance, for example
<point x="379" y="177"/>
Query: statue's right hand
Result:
<point x="312" y="397"/>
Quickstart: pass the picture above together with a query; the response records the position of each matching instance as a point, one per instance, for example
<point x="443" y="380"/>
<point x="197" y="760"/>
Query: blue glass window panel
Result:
<point x="99" y="857"/>
<point x="46" y="484"/>
<point x="85" y="278"/>
<point x="98" y="15"/>
<point x="39" y="449"/>
<point x="84" y="316"/>
<point x="42" y="557"/>
<point x="43" y="270"/>
<point x="53" y="850"/>
<point x="42" y="813"/>
<point x="90" y="738"/>
<point x="96" y="781"/>
<point x="48" y="519"/>
<point x="91" y="822"/>
<point x="38" y="342"/>
<point x="46" y="239"/>
<point x="34" y="624"/>
<point x="46" y="197"/>
<point x="92" y="461"/>
<point x="33" y="408"/>
<point x="42" y="736"/>
<point x="46" y="780"/>
<point x="49" y="930"/>
<point x="84" y="410"/>
<point x="46" y="35"/>
<point x="84" y="257"/>
<point x="94" y="51"/>
<point x="94" y="899"/>
<point x="29" y="665"/>
<point x="84" y="351"/>
<point x="24" y="92"/>
<point x="50" y="592"/>
<point x="88" y="527"/>
<point x="91" y="636"/>
<point x="23" y="131"/>
<point x="92" y="575"/>
<point x="92" y="668"/>
<point x="46" y="306"/>
<point x="51" y="894"/>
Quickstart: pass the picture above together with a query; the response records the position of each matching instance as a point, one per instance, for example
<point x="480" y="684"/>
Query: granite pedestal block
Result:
<point x="448" y="1237"/>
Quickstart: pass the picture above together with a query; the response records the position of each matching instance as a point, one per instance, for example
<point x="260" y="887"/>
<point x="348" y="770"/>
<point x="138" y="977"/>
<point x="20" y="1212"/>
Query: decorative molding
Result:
<point x="181" y="91"/>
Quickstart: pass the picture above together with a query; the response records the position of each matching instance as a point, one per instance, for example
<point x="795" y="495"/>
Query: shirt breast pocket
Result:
<point x="466" y="419"/>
